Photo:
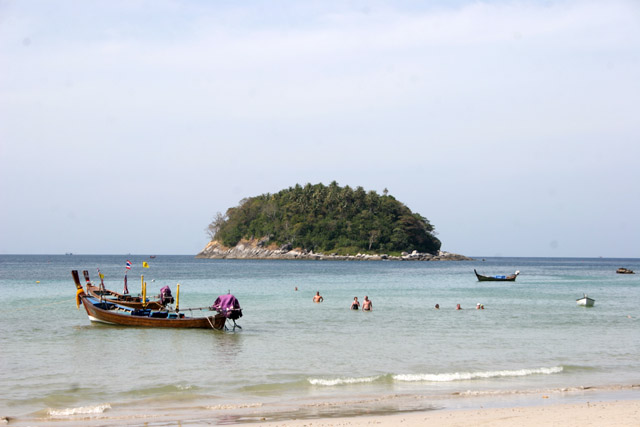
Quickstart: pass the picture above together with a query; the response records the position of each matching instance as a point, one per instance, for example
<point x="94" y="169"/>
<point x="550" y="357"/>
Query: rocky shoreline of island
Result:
<point x="260" y="249"/>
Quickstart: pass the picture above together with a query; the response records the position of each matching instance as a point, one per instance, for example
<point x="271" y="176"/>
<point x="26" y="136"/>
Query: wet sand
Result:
<point x="610" y="413"/>
<point x="597" y="414"/>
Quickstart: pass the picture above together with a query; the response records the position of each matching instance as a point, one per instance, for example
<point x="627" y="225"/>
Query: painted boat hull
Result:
<point x="116" y="298"/>
<point x="118" y="316"/>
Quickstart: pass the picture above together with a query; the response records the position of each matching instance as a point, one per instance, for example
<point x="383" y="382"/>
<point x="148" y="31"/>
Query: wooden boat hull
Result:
<point x="481" y="278"/>
<point x="116" y="298"/>
<point x="115" y="316"/>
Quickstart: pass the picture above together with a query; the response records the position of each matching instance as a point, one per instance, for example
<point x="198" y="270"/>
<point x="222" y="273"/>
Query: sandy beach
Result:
<point x="610" y="413"/>
<point x="598" y="411"/>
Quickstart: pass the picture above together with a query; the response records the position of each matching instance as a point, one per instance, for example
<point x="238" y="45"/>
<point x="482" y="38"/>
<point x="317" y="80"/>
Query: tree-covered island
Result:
<point x="318" y="219"/>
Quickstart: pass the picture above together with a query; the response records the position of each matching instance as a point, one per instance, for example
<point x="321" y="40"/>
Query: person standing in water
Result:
<point x="355" y="305"/>
<point x="366" y="304"/>
<point x="317" y="297"/>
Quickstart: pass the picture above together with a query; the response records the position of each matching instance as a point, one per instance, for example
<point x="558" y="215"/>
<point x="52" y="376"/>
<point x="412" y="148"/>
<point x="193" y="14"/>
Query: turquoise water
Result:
<point x="294" y="358"/>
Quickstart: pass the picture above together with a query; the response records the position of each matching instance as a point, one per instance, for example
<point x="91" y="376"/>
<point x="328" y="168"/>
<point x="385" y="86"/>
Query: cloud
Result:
<point x="480" y="64"/>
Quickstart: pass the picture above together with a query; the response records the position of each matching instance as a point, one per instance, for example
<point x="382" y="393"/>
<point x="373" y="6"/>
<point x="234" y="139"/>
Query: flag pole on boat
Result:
<point x="101" y="280"/>
<point x="128" y="267"/>
<point x="142" y="289"/>
<point x="144" y="286"/>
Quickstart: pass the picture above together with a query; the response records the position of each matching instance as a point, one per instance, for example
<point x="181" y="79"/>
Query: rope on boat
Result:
<point x="209" y="320"/>
<point x="197" y="308"/>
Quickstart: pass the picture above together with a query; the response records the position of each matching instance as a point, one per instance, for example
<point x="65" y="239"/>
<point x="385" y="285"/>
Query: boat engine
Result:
<point x="165" y="296"/>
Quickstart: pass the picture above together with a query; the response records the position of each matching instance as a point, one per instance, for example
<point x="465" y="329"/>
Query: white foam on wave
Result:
<point x="341" y="381"/>
<point x="542" y="390"/>
<point x="83" y="410"/>
<point x="460" y="376"/>
<point x="236" y="406"/>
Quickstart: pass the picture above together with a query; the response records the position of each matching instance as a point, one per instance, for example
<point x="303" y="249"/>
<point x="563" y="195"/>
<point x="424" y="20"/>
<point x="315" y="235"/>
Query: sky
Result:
<point x="513" y="126"/>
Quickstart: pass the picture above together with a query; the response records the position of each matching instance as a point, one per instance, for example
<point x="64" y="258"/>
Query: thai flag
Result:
<point x="128" y="265"/>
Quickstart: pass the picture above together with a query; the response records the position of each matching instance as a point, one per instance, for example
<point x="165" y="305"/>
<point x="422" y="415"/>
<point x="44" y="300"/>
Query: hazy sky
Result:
<point x="513" y="126"/>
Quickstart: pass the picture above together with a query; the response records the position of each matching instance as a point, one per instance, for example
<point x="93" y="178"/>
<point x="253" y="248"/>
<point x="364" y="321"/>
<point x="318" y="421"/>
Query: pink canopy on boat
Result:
<point x="228" y="306"/>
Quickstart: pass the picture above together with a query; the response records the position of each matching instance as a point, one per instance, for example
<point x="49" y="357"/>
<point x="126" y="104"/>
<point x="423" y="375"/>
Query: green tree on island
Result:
<point x="327" y="219"/>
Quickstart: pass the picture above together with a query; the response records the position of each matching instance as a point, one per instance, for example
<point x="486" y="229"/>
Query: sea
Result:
<point x="296" y="359"/>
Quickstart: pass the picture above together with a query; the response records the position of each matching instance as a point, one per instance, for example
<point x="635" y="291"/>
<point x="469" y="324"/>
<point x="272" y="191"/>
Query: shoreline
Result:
<point x="258" y="249"/>
<point x="615" y="405"/>
<point x="598" y="413"/>
<point x="460" y="409"/>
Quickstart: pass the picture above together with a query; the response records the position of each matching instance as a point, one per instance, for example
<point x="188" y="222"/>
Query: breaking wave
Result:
<point x="83" y="410"/>
<point x="444" y="377"/>
<point x="461" y="376"/>
<point x="341" y="381"/>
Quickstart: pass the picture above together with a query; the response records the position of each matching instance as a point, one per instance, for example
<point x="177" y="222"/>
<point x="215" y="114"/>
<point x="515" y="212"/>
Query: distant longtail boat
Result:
<point x="510" y="278"/>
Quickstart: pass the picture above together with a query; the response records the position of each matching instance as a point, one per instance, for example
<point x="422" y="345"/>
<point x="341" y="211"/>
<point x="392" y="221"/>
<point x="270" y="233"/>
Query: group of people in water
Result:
<point x="478" y="307"/>
<point x="367" y="305"/>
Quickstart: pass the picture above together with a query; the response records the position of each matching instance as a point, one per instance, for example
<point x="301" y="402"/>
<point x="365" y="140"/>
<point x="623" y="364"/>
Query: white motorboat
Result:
<point x="586" y="301"/>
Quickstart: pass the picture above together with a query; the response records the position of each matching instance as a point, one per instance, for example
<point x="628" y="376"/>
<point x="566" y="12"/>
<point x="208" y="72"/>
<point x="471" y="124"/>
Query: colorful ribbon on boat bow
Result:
<point x="78" y="292"/>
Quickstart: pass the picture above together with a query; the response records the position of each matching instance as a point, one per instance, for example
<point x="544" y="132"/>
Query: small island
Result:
<point x="323" y="223"/>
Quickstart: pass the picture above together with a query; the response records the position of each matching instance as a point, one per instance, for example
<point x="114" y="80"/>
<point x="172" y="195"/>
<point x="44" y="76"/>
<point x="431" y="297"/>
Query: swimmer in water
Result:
<point x="366" y="304"/>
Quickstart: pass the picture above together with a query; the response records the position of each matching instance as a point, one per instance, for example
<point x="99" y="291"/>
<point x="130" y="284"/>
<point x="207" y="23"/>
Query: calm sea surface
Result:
<point x="296" y="359"/>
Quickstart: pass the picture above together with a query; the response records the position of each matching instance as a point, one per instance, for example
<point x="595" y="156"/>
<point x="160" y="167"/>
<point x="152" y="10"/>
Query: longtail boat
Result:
<point x="117" y="314"/>
<point x="510" y="278"/>
<point x="106" y="295"/>
<point x="623" y="270"/>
